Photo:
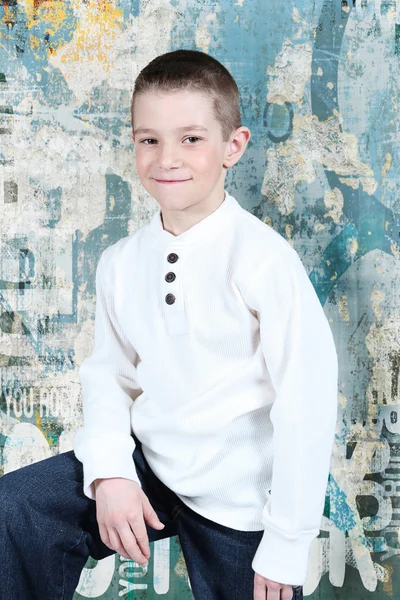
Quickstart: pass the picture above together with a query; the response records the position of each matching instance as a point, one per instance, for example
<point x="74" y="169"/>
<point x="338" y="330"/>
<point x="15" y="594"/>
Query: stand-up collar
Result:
<point x="201" y="232"/>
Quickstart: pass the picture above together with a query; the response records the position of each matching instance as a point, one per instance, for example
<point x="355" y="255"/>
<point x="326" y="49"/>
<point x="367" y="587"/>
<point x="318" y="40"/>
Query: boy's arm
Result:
<point x="302" y="362"/>
<point x="104" y="444"/>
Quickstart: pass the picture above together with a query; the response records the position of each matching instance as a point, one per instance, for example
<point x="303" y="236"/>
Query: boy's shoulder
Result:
<point x="256" y="240"/>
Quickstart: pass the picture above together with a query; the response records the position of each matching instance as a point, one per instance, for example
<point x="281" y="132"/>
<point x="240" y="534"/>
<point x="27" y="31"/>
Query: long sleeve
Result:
<point x="302" y="362"/>
<point x="104" y="444"/>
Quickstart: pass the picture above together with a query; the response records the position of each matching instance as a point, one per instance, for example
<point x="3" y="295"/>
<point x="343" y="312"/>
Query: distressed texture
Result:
<point x="319" y="85"/>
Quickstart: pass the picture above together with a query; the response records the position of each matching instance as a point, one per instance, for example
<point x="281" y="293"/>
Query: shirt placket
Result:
<point x="172" y="292"/>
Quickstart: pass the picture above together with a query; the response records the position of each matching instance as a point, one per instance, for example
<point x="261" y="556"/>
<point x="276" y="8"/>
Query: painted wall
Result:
<point x="319" y="83"/>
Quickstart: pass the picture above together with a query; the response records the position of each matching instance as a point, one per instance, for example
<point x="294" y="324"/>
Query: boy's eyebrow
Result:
<point x="185" y="128"/>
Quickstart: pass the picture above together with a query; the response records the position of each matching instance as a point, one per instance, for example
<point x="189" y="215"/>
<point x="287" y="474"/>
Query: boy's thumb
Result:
<point x="155" y="521"/>
<point x="151" y="515"/>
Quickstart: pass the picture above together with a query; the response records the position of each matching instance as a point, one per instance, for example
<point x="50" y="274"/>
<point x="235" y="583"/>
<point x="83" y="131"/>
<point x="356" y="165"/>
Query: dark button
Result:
<point x="172" y="258"/>
<point x="170" y="276"/>
<point x="169" y="298"/>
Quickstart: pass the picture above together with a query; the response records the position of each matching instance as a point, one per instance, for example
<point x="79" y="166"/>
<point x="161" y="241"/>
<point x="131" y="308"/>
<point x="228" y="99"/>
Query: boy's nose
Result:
<point x="169" y="158"/>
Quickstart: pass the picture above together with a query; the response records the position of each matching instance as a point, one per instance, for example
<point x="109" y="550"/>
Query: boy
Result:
<point x="210" y="396"/>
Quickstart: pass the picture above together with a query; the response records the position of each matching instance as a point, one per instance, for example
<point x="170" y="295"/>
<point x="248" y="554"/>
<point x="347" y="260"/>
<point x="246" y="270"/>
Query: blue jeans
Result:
<point x="49" y="530"/>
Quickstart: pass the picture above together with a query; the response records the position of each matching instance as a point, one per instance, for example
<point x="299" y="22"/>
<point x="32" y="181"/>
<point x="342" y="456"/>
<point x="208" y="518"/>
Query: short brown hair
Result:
<point x="196" y="71"/>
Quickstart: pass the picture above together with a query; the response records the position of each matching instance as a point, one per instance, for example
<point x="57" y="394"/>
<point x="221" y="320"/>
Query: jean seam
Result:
<point x="236" y="579"/>
<point x="63" y="566"/>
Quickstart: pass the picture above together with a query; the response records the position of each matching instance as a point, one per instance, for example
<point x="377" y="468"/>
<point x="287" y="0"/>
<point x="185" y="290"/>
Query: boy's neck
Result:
<point x="181" y="228"/>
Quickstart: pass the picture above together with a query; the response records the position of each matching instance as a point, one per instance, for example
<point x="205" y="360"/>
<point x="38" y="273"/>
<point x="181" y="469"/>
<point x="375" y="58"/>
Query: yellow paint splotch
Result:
<point x="99" y="26"/>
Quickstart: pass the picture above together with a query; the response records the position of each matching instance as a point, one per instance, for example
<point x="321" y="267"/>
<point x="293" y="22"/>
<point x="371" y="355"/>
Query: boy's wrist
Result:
<point x="97" y="481"/>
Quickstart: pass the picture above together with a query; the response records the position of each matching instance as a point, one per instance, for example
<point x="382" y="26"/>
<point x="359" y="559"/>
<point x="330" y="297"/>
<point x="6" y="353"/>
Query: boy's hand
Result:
<point x="121" y="512"/>
<point x="266" y="589"/>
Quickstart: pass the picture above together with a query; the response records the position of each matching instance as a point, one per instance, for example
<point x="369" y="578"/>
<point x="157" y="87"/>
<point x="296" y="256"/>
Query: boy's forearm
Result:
<point x="303" y="366"/>
<point x="108" y="378"/>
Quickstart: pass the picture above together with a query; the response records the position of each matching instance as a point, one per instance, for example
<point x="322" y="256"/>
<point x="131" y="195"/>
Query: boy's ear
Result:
<point x="236" y="146"/>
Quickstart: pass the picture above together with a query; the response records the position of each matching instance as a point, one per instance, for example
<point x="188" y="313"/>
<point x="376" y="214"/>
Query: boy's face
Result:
<point x="183" y="144"/>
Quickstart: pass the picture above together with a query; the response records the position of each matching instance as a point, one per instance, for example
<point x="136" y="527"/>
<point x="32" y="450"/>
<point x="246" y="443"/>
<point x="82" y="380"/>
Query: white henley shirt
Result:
<point x="226" y="370"/>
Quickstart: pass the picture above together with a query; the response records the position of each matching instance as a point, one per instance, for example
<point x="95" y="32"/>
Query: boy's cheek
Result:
<point x="141" y="165"/>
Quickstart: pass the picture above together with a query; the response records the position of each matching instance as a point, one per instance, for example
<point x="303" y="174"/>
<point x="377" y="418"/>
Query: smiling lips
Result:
<point x="171" y="181"/>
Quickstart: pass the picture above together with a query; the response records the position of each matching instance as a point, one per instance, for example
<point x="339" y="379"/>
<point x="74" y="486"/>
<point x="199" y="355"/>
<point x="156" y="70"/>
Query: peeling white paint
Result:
<point x="313" y="142"/>
<point x="343" y="308"/>
<point x="290" y="73"/>
<point x="334" y="201"/>
<point x="352" y="182"/>
<point x="377" y="297"/>
<point x="369" y="185"/>
<point x="203" y="33"/>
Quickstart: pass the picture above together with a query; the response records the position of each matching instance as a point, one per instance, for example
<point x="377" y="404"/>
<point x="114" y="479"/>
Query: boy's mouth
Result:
<point x="171" y="181"/>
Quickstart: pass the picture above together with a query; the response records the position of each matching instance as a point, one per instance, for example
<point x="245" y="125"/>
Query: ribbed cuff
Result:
<point x="103" y="458"/>
<point x="282" y="559"/>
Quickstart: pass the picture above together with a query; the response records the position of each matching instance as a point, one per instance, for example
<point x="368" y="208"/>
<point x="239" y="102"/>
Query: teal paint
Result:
<point x="341" y="515"/>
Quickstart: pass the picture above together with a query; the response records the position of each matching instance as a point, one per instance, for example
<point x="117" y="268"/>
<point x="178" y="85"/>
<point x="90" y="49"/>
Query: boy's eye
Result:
<point x="153" y="140"/>
<point x="191" y="137"/>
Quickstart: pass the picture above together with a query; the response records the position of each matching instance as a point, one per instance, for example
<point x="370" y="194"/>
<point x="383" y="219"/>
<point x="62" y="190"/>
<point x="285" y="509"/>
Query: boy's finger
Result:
<point x="131" y="545"/>
<point x="115" y="541"/>
<point x="104" y="535"/>
<point x="140" y="532"/>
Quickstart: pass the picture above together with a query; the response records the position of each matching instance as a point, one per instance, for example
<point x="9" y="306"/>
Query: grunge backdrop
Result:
<point x="319" y="83"/>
